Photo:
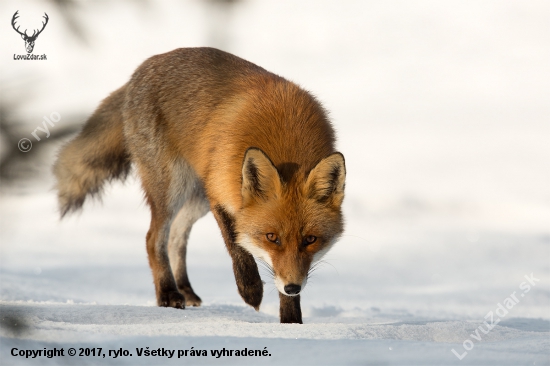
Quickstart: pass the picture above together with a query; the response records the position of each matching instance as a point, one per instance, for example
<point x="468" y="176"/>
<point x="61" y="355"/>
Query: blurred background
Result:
<point x="441" y="109"/>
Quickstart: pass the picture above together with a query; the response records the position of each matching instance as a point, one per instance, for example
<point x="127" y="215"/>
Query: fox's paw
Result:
<point x="172" y="299"/>
<point x="249" y="282"/>
<point x="252" y="293"/>
<point x="191" y="298"/>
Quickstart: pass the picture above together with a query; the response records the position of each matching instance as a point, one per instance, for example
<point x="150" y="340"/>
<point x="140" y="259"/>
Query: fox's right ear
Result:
<point x="327" y="180"/>
<point x="260" y="178"/>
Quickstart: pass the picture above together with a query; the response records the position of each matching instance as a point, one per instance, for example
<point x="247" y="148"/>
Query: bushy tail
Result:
<point x="98" y="154"/>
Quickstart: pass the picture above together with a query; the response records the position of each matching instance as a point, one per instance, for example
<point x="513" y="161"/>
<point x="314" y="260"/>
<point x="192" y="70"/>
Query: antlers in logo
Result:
<point x="29" y="40"/>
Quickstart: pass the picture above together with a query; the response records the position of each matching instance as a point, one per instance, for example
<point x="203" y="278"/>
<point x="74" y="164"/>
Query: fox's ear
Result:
<point x="326" y="181"/>
<point x="260" y="178"/>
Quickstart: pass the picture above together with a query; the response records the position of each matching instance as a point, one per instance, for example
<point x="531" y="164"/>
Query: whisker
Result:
<point x="265" y="264"/>
<point x="266" y="267"/>
<point x="313" y="270"/>
<point x="319" y="264"/>
<point x="336" y="269"/>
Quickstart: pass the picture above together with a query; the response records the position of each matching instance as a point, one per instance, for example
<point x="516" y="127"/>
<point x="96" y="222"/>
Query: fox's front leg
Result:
<point x="289" y="309"/>
<point x="249" y="282"/>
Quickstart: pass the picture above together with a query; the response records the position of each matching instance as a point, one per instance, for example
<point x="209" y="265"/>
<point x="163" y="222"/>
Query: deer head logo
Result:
<point x="29" y="40"/>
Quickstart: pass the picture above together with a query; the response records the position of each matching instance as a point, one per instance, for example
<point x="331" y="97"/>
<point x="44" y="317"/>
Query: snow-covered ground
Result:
<point x="442" y="113"/>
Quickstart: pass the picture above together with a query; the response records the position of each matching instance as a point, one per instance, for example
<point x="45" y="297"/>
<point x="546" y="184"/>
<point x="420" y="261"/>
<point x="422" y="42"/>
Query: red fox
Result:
<point x="208" y="131"/>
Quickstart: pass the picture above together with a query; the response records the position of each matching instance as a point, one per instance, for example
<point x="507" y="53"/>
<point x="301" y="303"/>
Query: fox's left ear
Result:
<point x="326" y="181"/>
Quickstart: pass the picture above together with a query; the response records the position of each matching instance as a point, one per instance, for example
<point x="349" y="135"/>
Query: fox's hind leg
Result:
<point x="193" y="209"/>
<point x="168" y="187"/>
<point x="157" y="238"/>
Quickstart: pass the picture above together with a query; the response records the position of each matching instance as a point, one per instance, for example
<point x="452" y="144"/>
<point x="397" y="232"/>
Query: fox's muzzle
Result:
<point x="292" y="289"/>
<point x="289" y="289"/>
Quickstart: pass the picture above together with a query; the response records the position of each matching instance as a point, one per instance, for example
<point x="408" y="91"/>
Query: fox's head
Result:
<point x="290" y="223"/>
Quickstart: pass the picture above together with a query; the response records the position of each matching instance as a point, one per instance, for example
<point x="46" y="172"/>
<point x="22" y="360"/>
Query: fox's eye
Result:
<point x="273" y="238"/>
<point x="310" y="239"/>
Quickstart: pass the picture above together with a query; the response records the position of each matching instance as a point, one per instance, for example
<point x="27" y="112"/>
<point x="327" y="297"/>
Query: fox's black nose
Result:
<point x="293" y="289"/>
